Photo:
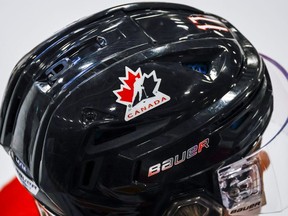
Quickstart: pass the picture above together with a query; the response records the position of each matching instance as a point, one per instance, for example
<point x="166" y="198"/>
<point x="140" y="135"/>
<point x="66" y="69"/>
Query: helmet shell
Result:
<point x="93" y="146"/>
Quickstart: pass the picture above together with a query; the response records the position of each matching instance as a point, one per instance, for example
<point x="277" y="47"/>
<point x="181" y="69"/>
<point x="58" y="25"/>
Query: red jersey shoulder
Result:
<point x="17" y="201"/>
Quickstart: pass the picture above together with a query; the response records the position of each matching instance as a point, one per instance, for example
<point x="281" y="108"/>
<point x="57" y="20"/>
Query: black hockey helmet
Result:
<point x="133" y="110"/>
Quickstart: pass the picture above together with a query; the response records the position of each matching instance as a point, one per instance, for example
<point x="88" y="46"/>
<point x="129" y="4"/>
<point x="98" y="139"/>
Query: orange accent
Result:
<point x="15" y="200"/>
<point x="264" y="160"/>
<point x="218" y="25"/>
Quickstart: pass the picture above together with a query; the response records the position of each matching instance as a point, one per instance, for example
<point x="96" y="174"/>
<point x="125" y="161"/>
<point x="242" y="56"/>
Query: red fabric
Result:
<point x="15" y="200"/>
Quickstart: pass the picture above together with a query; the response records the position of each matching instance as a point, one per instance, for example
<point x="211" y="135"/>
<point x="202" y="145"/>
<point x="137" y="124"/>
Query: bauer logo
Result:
<point x="139" y="93"/>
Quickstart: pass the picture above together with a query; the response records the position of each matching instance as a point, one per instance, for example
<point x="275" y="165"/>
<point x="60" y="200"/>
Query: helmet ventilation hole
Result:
<point x="198" y="67"/>
<point x="240" y="121"/>
<point x="13" y="114"/>
<point x="87" y="174"/>
<point x="54" y="72"/>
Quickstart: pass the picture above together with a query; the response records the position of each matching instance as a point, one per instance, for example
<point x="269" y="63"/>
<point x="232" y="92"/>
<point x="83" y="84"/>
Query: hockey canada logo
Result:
<point x="139" y="93"/>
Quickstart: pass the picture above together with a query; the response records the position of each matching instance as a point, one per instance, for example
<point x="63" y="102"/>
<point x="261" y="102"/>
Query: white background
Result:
<point x="24" y="24"/>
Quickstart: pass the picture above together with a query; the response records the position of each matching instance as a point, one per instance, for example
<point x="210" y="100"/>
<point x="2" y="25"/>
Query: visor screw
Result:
<point x="234" y="192"/>
<point x="89" y="116"/>
<point x="101" y="41"/>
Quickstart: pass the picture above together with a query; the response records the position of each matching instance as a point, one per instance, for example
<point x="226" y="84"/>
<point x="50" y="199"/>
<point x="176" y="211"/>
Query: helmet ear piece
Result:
<point x="133" y="109"/>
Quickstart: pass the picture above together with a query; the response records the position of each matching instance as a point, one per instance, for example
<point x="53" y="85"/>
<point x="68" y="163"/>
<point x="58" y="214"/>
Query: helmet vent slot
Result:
<point x="12" y="115"/>
<point x="56" y="70"/>
<point x="207" y="62"/>
<point x="198" y="67"/>
<point x="103" y="136"/>
<point x="87" y="173"/>
<point x="240" y="121"/>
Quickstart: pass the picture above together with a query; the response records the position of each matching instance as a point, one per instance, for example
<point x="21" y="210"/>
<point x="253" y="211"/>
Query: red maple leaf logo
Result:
<point x="126" y="92"/>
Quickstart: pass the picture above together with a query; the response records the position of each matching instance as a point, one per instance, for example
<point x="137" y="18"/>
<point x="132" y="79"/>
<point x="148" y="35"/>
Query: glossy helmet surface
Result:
<point x="133" y="109"/>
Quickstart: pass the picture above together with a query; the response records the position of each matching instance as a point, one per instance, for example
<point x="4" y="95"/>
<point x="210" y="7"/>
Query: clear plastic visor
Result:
<point x="258" y="184"/>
